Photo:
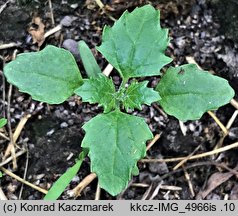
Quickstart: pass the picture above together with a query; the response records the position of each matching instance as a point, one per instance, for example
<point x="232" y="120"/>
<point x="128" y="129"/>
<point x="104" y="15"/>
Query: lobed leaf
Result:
<point x="137" y="94"/>
<point x="100" y="90"/>
<point x="135" y="44"/>
<point x="3" y="122"/>
<point x="116" y="141"/>
<point x="187" y="92"/>
<point x="50" y="75"/>
<point x="89" y="62"/>
<point x="59" y="186"/>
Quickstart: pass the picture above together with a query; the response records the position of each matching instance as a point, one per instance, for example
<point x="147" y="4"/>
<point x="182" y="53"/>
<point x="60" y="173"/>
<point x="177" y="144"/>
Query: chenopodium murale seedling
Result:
<point x="135" y="45"/>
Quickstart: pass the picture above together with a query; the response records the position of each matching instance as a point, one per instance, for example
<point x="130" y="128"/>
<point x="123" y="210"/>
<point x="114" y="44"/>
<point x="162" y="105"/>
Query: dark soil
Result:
<point x="53" y="134"/>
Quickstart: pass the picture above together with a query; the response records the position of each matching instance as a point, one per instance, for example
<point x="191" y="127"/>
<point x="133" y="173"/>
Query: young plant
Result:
<point x="3" y="122"/>
<point x="135" y="46"/>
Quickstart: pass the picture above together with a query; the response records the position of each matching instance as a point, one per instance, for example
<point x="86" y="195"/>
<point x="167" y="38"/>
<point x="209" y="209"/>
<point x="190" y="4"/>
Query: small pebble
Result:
<point x="70" y="121"/>
<point x="49" y="133"/>
<point x="72" y="46"/>
<point x="67" y="21"/>
<point x="64" y="125"/>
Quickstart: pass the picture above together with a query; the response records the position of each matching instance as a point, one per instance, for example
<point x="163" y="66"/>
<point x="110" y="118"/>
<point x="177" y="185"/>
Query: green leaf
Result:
<point x="89" y="62"/>
<point x="116" y="141"/>
<point x="187" y="92"/>
<point x="135" y="44"/>
<point x="137" y="94"/>
<point x="59" y="186"/>
<point x="3" y="122"/>
<point x="50" y="75"/>
<point x="1" y="175"/>
<point x="100" y="90"/>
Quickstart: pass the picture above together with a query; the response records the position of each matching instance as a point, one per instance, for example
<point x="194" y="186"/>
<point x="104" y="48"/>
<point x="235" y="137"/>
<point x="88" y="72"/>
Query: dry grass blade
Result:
<point x="24" y="176"/>
<point x="100" y="4"/>
<point x="11" y="145"/>
<point x="170" y="188"/>
<point x="98" y="192"/>
<point x="225" y="131"/>
<point x="51" y="13"/>
<point x="20" y="126"/>
<point x="107" y="71"/>
<point x="52" y="31"/>
<point x="17" y="133"/>
<point x="146" y="194"/>
<point x="23" y="181"/>
<point x="156" y="191"/>
<point x="231" y="120"/>
<point x="9" y="45"/>
<point x="84" y="183"/>
<point x="2" y="195"/>
<point x="157" y="136"/>
<point x="183" y="128"/>
<point x="3" y="90"/>
<point x="234" y="103"/>
<point x="160" y="110"/>
<point x="216" y="151"/>
<point x="162" y="187"/>
<point x="11" y="158"/>
<point x="184" y="160"/>
<point x="3" y="136"/>
<point x="141" y="185"/>
<point x="190" y="185"/>
<point x="4" y="6"/>
<point x="228" y="126"/>
<point x="191" y="60"/>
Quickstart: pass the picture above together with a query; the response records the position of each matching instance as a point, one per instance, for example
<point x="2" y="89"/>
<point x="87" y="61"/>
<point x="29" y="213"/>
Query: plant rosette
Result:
<point x="135" y="45"/>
